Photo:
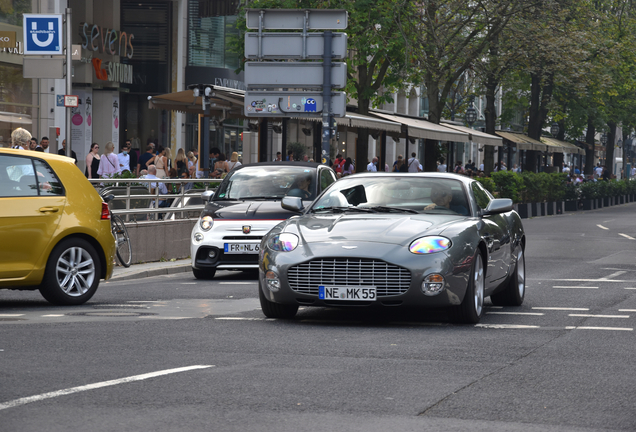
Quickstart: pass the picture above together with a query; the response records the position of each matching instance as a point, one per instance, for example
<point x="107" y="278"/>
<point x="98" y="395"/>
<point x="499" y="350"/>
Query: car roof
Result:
<point x="440" y="175"/>
<point x="282" y="163"/>
<point x="40" y="155"/>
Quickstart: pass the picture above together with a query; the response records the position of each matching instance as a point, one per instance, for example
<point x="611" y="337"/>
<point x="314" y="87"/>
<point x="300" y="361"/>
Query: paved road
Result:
<point x="172" y="353"/>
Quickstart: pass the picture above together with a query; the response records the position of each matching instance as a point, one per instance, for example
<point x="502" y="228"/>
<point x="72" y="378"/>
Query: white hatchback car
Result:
<point x="245" y="207"/>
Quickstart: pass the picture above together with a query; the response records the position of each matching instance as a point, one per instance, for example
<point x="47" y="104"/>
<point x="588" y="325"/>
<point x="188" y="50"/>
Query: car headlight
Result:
<point x="430" y="244"/>
<point x="206" y="223"/>
<point x="284" y="242"/>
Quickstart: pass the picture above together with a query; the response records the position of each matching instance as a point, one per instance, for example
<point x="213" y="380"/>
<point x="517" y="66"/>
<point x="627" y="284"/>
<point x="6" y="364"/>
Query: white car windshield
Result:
<point x="268" y="182"/>
<point x="395" y="194"/>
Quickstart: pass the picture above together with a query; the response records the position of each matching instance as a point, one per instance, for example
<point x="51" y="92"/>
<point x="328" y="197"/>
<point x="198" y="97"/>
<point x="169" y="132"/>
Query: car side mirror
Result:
<point x="498" y="205"/>
<point x="108" y="198"/>
<point x="292" y="203"/>
<point x="205" y="196"/>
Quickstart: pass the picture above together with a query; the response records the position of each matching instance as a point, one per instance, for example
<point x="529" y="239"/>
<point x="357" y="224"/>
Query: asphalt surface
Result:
<point x="561" y="362"/>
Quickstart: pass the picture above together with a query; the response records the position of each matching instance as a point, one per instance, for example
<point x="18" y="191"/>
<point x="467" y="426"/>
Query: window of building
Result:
<point x="212" y="33"/>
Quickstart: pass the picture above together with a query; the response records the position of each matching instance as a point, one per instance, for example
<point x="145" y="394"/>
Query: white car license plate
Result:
<point x="241" y="248"/>
<point x="346" y="293"/>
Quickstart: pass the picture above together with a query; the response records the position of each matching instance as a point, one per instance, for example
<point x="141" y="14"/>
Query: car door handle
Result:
<point x="49" y="209"/>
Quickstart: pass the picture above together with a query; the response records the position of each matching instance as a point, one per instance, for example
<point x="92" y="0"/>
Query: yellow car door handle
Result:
<point x="48" y="209"/>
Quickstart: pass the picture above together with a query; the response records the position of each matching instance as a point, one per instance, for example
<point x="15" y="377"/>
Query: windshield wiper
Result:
<point x="387" y="209"/>
<point x="342" y="209"/>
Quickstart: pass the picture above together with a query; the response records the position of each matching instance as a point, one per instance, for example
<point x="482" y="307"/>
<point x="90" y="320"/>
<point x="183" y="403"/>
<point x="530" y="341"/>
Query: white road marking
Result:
<point x="584" y="280"/>
<point x="238" y="283"/>
<point x="53" y="315"/>
<point x="516" y="313"/>
<point x="626" y="236"/>
<point x="577" y="287"/>
<point x="598" y="316"/>
<point x="123" y="306"/>
<point x="627" y="310"/>
<point x="506" y="326"/>
<point x="29" y="399"/>
<point x="602" y="227"/>
<point x="145" y="301"/>
<point x="631" y="288"/>
<point x="239" y="319"/>
<point x="188" y="283"/>
<point x="613" y="275"/>
<point x="10" y="315"/>
<point x="496" y="307"/>
<point x="599" y="328"/>
<point x="561" y="308"/>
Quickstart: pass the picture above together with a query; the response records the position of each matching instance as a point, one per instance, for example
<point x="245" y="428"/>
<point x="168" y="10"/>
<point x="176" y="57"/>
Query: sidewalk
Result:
<point x="138" y="271"/>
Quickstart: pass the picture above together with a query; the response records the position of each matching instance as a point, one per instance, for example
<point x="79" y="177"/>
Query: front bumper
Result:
<point x="456" y="275"/>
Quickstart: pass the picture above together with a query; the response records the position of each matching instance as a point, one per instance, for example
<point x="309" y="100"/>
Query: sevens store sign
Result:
<point x="42" y="34"/>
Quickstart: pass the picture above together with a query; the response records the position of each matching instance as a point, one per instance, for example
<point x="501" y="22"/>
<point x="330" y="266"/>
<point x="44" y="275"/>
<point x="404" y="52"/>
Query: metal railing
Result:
<point x="142" y="201"/>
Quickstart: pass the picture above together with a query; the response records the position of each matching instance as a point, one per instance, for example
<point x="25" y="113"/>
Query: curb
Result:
<point x="131" y="275"/>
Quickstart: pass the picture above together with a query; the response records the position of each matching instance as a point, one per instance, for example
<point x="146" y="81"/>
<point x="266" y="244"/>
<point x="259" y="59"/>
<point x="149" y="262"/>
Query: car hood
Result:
<point x="376" y="228"/>
<point x="247" y="210"/>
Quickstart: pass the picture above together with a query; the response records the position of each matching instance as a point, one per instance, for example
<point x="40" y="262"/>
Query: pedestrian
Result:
<point x="62" y="152"/>
<point x="163" y="190"/>
<point x="413" y="164"/>
<point x="192" y="159"/>
<point x="234" y="162"/>
<point x="44" y="144"/>
<point x="33" y="145"/>
<point x="214" y="155"/>
<point x="442" y="166"/>
<point x="92" y="162"/>
<point x="458" y="168"/>
<point x="400" y="165"/>
<point x="181" y="162"/>
<point x="142" y="163"/>
<point x="108" y="163"/>
<point x="305" y="158"/>
<point x="373" y="165"/>
<point x="160" y="161"/>
<point x="134" y="156"/>
<point x="20" y="139"/>
<point x="338" y="164"/>
<point x="124" y="158"/>
<point x="168" y="155"/>
<point x="290" y="155"/>
<point x="605" y="173"/>
<point x="347" y="167"/>
<point x="220" y="168"/>
<point x="279" y="157"/>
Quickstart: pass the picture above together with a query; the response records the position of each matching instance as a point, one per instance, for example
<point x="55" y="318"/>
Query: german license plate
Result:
<point x="346" y="293"/>
<point x="241" y="248"/>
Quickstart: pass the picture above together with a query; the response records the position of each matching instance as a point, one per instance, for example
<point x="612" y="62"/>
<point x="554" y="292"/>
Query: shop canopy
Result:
<point x="356" y="120"/>
<point x="565" y="146"/>
<point x="523" y="142"/>
<point x="419" y="128"/>
<point x="478" y="137"/>
<point x="224" y="102"/>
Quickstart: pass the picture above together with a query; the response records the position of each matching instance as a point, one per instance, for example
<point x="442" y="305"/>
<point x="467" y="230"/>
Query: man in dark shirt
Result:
<point x="133" y="155"/>
<point x="144" y="158"/>
<point x="62" y="152"/>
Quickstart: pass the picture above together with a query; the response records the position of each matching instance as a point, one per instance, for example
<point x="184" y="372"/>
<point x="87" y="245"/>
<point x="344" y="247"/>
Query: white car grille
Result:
<point x="389" y="279"/>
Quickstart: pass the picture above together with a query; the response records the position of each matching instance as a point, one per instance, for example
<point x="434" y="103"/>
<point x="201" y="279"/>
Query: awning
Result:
<point x="360" y="121"/>
<point x="425" y="129"/>
<point x="523" y="142"/>
<point x="223" y="100"/>
<point x="478" y="137"/>
<point x="566" y="146"/>
<point x="9" y="117"/>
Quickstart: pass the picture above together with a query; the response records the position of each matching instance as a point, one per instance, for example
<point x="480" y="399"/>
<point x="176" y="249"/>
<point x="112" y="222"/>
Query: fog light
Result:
<point x="433" y="284"/>
<point x="198" y="237"/>
<point x="273" y="283"/>
<point x="212" y="254"/>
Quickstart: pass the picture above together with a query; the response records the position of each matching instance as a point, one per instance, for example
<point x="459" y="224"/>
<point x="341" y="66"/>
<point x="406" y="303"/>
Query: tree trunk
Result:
<point x="434" y="115"/>
<point x="589" y="152"/>
<point x="609" y="148"/>
<point x="490" y="116"/>
<point x="540" y="96"/>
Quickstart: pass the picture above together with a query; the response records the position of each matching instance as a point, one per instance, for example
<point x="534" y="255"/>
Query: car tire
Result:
<point x="72" y="273"/>
<point x="275" y="310"/>
<point x="515" y="290"/>
<point x="471" y="309"/>
<point x="203" y="274"/>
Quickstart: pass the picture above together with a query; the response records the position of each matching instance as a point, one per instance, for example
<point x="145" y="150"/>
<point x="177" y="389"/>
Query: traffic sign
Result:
<point x="294" y="19"/>
<point x="292" y="104"/>
<point x="71" y="101"/>
<point x="292" y="75"/>
<point x="42" y="34"/>
<point x="290" y="46"/>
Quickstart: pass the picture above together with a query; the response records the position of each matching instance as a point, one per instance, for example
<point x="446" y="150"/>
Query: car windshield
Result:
<point x="268" y="182"/>
<point x="395" y="194"/>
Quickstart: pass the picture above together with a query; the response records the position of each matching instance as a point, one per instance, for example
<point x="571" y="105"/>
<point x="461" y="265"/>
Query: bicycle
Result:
<point x="124" y="248"/>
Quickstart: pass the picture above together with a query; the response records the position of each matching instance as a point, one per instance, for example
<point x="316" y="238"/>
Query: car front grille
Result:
<point x="389" y="279"/>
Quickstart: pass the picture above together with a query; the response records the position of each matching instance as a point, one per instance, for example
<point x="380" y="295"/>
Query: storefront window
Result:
<point x="15" y="93"/>
<point x="211" y="36"/>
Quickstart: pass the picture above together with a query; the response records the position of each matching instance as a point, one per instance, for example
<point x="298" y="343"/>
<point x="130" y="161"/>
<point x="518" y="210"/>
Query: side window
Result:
<point x="48" y="183"/>
<point x="481" y="195"/>
<point x="326" y="178"/>
<point x="17" y="177"/>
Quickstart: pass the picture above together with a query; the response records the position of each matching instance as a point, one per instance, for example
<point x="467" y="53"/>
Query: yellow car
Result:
<point x="55" y="232"/>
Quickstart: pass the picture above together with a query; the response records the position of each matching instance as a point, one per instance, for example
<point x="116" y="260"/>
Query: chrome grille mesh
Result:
<point x="389" y="279"/>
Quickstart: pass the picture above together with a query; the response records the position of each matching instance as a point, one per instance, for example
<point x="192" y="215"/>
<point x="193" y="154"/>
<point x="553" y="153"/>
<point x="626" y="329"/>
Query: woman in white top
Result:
<point x="108" y="164"/>
<point x="234" y="162"/>
<point x="192" y="160"/>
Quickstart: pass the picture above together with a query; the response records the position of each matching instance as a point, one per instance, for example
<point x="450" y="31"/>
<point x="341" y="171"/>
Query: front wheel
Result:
<point x="72" y="273"/>
<point x="472" y="308"/>
<point x="203" y="274"/>
<point x="276" y="310"/>
<point x="124" y="248"/>
<point x="515" y="290"/>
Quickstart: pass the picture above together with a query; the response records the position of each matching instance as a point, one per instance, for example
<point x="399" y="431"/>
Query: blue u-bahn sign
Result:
<point x="43" y="34"/>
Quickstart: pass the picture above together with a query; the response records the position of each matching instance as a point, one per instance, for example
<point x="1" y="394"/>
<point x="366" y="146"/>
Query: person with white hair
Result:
<point x="20" y="139"/>
<point x="108" y="163"/>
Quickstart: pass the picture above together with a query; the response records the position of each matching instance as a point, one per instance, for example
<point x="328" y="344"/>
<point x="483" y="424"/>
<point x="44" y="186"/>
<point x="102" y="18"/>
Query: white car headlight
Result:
<point x="284" y="242"/>
<point x="206" y="223"/>
<point x="429" y="245"/>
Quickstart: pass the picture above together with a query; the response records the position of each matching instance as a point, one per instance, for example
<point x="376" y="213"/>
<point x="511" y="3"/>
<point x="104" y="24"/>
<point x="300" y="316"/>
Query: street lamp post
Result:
<point x="554" y="129"/>
<point x="471" y="116"/>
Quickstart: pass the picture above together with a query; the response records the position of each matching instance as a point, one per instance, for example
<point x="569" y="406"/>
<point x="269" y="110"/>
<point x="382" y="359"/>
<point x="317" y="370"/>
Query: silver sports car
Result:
<point x="429" y="240"/>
